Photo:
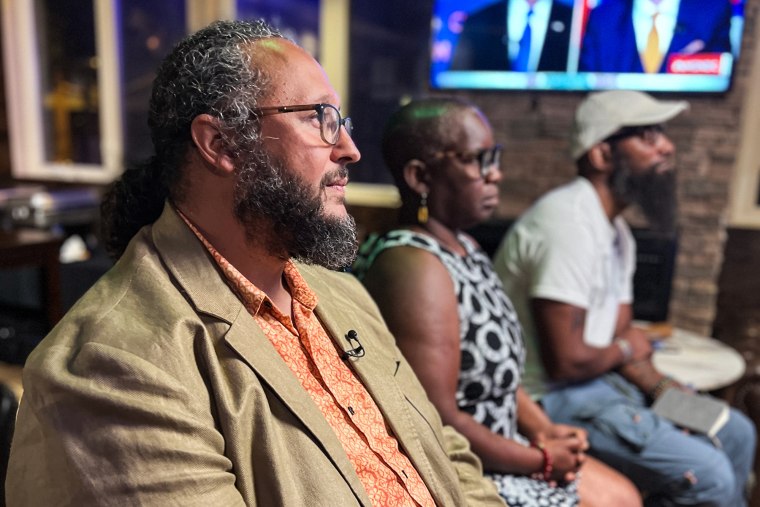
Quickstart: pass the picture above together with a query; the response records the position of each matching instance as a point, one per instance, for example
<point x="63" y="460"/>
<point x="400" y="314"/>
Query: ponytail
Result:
<point x="134" y="200"/>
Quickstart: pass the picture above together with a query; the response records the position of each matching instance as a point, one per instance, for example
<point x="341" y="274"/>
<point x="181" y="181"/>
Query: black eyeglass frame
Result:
<point x="650" y="134"/>
<point x="320" y="109"/>
<point x="486" y="157"/>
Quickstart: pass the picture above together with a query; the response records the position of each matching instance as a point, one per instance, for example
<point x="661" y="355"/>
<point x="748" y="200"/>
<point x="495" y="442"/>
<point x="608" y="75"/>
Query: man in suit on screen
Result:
<point x="641" y="35"/>
<point x="518" y="35"/>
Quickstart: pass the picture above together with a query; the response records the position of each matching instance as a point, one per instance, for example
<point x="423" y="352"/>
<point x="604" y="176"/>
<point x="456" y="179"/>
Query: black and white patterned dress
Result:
<point x="492" y="353"/>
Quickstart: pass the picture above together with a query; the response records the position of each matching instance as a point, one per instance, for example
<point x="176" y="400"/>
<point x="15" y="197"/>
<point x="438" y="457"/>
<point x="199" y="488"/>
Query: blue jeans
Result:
<point x="668" y="465"/>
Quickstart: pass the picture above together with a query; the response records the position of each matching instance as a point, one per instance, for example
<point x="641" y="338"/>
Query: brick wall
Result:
<point x="534" y="127"/>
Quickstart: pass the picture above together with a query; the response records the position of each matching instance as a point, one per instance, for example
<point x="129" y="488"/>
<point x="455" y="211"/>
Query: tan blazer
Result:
<point x="158" y="388"/>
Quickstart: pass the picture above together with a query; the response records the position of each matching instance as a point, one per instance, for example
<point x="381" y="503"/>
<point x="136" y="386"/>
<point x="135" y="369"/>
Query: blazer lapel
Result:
<point x="197" y="274"/>
<point x="376" y="368"/>
<point x="247" y="339"/>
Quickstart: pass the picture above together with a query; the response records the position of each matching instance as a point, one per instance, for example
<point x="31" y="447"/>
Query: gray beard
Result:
<point x="274" y="202"/>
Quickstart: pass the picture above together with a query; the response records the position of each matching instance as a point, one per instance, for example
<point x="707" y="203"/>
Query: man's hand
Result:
<point x="566" y="356"/>
<point x="642" y="374"/>
<point x="641" y="346"/>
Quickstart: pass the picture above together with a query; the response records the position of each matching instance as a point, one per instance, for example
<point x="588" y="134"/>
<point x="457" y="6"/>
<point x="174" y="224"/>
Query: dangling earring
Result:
<point x="422" y="211"/>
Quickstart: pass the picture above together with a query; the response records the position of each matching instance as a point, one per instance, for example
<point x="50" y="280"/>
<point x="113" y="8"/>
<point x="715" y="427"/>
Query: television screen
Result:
<point x="650" y="45"/>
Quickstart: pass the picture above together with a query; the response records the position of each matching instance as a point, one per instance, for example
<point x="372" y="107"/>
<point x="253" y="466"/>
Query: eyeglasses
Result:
<point x="327" y="114"/>
<point x="650" y="134"/>
<point x="487" y="158"/>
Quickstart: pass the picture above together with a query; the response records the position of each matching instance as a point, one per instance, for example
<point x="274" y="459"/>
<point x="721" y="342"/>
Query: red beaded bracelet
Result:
<point x="548" y="463"/>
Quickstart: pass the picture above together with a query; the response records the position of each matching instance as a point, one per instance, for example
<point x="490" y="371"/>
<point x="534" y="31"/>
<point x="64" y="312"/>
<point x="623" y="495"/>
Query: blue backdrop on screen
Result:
<point x="652" y="45"/>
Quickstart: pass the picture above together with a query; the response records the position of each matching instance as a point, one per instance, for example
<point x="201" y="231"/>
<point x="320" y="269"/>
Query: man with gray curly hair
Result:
<point x="223" y="360"/>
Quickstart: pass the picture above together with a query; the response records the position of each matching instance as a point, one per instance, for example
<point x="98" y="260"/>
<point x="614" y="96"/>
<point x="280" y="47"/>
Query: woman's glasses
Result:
<point x="487" y="158"/>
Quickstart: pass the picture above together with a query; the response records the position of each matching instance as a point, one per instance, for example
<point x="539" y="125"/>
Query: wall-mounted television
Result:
<point x="650" y="45"/>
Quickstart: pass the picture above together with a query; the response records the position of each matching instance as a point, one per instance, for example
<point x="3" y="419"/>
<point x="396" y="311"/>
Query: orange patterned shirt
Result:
<point x="384" y="470"/>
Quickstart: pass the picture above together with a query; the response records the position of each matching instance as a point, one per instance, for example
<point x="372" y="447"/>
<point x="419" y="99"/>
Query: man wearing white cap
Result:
<point x="568" y="264"/>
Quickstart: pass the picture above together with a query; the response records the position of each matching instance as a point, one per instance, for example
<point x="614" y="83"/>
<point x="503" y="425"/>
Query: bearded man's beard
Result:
<point x="654" y="192"/>
<point x="272" y="201"/>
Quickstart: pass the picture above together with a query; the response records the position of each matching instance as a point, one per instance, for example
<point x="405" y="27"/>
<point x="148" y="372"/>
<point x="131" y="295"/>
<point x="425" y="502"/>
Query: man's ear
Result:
<point x="208" y="138"/>
<point x="417" y="175"/>
<point x="600" y="157"/>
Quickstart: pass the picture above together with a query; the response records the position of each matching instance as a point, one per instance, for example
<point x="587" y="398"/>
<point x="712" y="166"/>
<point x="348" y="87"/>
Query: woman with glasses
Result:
<point x="452" y="320"/>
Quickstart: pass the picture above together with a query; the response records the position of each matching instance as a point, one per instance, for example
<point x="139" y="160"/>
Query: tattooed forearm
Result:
<point x="641" y="373"/>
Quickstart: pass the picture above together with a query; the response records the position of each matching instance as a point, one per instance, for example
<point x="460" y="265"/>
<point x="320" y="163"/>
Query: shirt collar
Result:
<point x="648" y="8"/>
<point x="247" y="292"/>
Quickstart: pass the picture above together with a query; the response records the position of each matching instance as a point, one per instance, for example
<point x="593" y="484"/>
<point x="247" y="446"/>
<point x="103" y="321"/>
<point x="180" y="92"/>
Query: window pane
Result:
<point x="297" y="19"/>
<point x="149" y="31"/>
<point x="69" y="81"/>
<point x="389" y="55"/>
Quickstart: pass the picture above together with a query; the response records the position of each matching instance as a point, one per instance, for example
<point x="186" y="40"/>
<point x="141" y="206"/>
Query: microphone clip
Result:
<point x="357" y="350"/>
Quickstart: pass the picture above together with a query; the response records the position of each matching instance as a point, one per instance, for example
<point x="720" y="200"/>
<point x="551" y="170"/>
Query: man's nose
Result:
<point x="345" y="150"/>
<point x="666" y="146"/>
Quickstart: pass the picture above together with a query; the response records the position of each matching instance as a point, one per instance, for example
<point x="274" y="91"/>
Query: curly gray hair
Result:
<point x="212" y="71"/>
<point x="209" y="72"/>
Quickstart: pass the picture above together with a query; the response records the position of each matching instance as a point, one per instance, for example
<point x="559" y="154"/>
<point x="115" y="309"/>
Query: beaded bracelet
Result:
<point x="661" y="386"/>
<point x="548" y="463"/>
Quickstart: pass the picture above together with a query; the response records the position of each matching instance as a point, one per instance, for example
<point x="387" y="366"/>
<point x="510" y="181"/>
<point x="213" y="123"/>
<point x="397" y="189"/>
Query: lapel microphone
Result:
<point x="357" y="351"/>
